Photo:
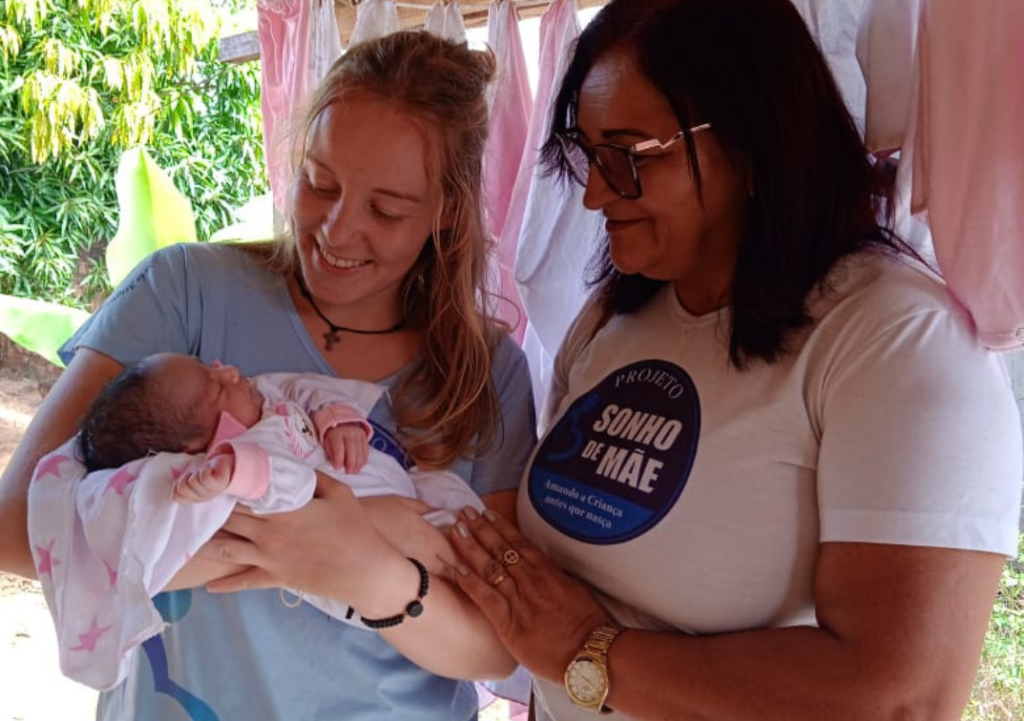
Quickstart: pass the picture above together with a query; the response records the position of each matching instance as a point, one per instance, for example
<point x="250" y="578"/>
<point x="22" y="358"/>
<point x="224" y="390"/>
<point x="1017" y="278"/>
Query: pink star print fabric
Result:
<point x="104" y="544"/>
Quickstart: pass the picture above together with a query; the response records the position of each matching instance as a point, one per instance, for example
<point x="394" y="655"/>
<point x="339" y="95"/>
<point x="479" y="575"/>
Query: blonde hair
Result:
<point x="447" y="406"/>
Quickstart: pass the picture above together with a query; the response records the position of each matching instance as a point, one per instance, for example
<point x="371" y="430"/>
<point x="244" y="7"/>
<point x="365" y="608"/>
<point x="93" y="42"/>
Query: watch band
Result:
<point x="590" y="668"/>
<point x="601" y="638"/>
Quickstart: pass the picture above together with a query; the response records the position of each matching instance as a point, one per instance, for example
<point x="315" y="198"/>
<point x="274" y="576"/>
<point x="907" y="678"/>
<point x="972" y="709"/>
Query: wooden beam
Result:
<point x="241" y="48"/>
<point x="245" y="47"/>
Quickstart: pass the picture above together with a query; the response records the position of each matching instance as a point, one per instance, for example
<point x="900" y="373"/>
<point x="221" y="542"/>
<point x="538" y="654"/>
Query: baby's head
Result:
<point x="169" y="402"/>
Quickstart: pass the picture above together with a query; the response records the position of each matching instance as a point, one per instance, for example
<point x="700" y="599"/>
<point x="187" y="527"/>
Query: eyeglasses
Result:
<point x="616" y="163"/>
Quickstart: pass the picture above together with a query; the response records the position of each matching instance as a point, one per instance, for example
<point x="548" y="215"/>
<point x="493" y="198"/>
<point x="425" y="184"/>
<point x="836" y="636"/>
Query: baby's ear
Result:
<point x="198" y="446"/>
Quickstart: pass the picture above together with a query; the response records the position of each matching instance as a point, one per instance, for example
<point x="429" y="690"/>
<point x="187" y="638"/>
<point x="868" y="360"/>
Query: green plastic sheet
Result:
<point x="152" y="214"/>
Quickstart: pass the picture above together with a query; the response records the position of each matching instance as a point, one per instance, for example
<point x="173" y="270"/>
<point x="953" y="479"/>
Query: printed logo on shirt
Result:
<point x="383" y="441"/>
<point x="141" y="275"/>
<point x="617" y="460"/>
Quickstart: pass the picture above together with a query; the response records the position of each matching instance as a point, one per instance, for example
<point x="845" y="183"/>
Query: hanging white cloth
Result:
<point x="833" y="24"/>
<point x="324" y="40"/>
<point x="511" y="105"/>
<point x="966" y="144"/>
<point x="374" y="19"/>
<point x="555" y="235"/>
<point x="454" y="27"/>
<point x="444" y="19"/>
<point x="886" y="51"/>
<point x="886" y="45"/>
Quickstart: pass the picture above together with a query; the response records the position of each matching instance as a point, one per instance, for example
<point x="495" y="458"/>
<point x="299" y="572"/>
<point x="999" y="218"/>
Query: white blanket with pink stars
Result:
<point x="104" y="544"/>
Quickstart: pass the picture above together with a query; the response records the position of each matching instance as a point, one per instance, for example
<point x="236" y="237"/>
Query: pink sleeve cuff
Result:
<point x="338" y="414"/>
<point x="251" y="477"/>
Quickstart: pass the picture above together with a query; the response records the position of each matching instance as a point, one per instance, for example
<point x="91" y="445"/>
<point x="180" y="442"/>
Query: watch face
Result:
<point x="586" y="682"/>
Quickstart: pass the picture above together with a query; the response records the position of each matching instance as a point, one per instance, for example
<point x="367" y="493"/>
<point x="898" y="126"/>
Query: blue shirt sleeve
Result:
<point x="147" y="313"/>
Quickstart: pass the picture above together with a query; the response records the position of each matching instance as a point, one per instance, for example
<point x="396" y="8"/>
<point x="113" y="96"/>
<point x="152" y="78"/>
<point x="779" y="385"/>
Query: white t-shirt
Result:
<point x="694" y="496"/>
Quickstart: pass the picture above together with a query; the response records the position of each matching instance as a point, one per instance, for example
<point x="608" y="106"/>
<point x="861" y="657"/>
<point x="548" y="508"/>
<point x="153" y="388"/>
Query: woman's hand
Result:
<point x="328" y="547"/>
<point x="399" y="520"/>
<point x="541" y="614"/>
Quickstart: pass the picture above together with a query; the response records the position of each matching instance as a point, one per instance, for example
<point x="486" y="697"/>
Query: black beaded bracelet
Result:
<point x="415" y="607"/>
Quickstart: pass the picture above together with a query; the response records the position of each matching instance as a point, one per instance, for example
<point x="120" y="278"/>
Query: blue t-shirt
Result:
<point x="246" y="655"/>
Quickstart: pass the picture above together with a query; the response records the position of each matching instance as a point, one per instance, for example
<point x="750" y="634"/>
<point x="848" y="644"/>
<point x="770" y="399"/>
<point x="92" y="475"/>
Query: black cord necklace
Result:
<point x="331" y="336"/>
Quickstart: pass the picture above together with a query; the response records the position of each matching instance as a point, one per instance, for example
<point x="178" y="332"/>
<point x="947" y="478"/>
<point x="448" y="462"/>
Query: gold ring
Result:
<point x="496" y="582"/>
<point x="511" y="557"/>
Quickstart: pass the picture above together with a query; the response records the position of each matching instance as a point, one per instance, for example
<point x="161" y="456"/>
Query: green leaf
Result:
<point x="153" y="213"/>
<point x="39" y="326"/>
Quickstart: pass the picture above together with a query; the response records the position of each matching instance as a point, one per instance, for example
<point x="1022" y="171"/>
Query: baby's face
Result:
<point x="208" y="390"/>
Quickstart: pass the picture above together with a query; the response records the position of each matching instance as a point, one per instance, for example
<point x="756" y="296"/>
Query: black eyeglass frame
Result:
<point x="571" y="136"/>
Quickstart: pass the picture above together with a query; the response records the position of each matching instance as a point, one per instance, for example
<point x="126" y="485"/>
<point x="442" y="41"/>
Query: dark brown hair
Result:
<point x="132" y="417"/>
<point x="752" y="70"/>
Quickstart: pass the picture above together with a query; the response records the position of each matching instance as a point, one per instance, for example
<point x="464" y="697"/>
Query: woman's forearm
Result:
<point x="796" y="674"/>
<point x="900" y="637"/>
<point x="56" y="420"/>
<point x="457" y="640"/>
<point x="452" y="638"/>
<point x="43" y="435"/>
<point x="15" y="556"/>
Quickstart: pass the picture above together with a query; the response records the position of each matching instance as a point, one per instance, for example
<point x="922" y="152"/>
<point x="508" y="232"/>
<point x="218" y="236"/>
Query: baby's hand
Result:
<point x="206" y="482"/>
<point x="348" y="446"/>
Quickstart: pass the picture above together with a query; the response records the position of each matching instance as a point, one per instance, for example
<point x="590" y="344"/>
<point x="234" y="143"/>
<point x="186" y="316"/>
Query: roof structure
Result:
<point x="411" y="14"/>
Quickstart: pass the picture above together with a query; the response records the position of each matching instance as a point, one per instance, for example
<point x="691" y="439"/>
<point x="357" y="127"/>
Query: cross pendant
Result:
<point x="330" y="339"/>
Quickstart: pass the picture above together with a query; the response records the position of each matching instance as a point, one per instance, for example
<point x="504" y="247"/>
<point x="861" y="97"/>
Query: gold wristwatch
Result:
<point x="586" y="678"/>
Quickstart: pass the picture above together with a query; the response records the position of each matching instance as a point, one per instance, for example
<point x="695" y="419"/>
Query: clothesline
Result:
<point x="474" y="12"/>
<point x="244" y="47"/>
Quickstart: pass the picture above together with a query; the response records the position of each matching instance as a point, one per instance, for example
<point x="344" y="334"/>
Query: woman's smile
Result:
<point x="338" y="262"/>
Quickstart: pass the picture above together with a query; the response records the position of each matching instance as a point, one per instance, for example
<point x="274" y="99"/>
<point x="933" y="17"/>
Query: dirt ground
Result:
<point x="31" y="685"/>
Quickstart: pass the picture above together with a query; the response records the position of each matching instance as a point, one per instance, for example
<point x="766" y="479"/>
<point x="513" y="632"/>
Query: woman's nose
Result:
<point x="597" y="193"/>
<point x="339" y="223"/>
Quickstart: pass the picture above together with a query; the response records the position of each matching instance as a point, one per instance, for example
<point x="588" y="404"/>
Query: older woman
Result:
<point x="780" y="472"/>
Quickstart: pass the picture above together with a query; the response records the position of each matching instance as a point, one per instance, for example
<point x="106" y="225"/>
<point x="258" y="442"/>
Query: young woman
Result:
<point x="380" y="278"/>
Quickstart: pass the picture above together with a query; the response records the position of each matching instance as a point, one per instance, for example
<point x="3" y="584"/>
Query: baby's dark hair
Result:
<point x="132" y="417"/>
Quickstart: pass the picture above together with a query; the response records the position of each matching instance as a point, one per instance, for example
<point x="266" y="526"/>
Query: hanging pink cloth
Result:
<point x="554" y="234"/>
<point x="966" y="142"/>
<point x="299" y="41"/>
<point x="283" y="32"/>
<point x="511" y="105"/>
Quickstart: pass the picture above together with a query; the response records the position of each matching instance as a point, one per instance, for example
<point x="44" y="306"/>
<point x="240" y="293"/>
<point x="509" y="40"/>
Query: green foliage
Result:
<point x="80" y="82"/>
<point x="999" y="687"/>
